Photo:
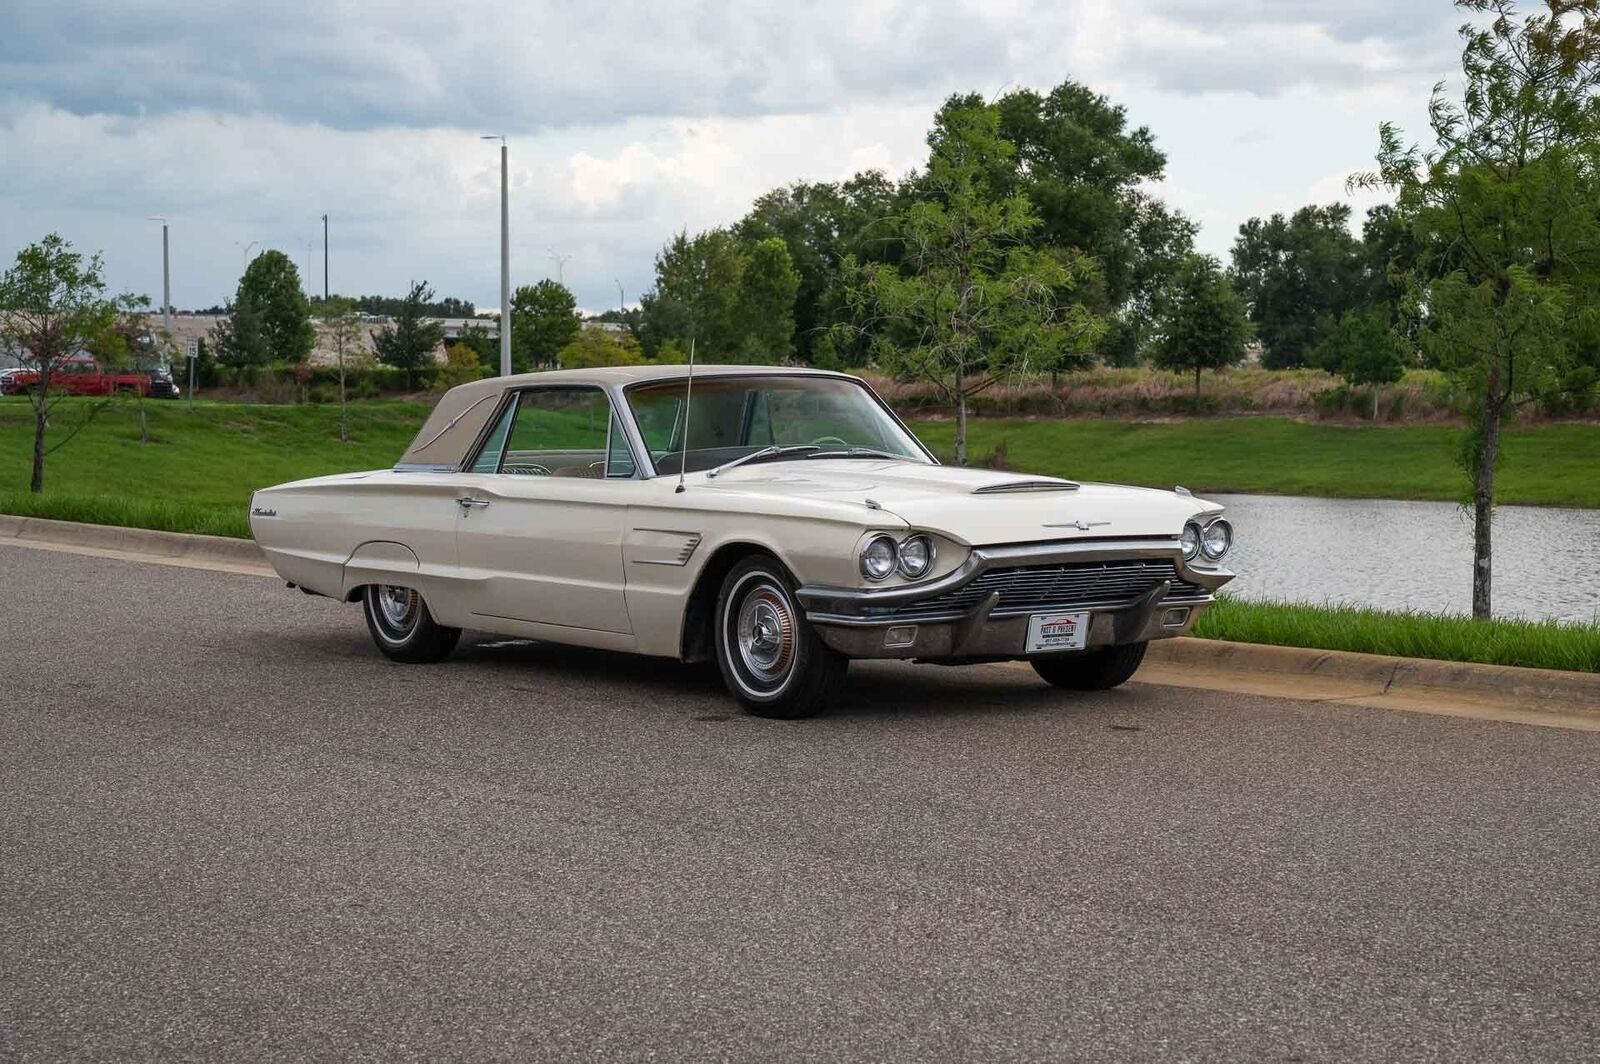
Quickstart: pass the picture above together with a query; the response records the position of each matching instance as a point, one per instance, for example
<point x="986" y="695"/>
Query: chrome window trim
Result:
<point x="624" y="389"/>
<point x="508" y="400"/>
<point x="512" y="397"/>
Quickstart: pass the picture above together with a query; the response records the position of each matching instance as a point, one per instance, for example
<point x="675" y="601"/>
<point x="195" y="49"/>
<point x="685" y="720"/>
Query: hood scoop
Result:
<point x="1009" y="486"/>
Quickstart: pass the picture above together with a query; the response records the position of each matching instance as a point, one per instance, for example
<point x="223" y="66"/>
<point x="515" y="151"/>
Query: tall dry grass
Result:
<point x="1423" y="396"/>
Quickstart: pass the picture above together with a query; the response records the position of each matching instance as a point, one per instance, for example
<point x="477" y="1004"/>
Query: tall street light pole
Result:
<point x="324" y="260"/>
<point x="166" y="303"/>
<point x="622" y="304"/>
<point x="505" y="256"/>
<point x="166" y="278"/>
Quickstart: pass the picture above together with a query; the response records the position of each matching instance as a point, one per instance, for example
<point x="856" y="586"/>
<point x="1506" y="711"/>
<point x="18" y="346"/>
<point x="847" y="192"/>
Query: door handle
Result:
<point x="467" y="502"/>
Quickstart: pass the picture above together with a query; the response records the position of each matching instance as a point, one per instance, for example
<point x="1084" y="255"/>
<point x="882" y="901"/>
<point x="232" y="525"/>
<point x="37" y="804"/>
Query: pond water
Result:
<point x="1413" y="555"/>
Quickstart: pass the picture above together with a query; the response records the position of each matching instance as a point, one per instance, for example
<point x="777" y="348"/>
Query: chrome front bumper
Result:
<point x="868" y="623"/>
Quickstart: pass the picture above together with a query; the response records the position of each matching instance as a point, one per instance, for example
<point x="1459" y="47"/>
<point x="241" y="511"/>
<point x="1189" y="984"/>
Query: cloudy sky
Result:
<point x="243" y="123"/>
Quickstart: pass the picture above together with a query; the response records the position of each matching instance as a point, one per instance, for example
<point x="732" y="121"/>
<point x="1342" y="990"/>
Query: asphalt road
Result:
<point x="230" y="830"/>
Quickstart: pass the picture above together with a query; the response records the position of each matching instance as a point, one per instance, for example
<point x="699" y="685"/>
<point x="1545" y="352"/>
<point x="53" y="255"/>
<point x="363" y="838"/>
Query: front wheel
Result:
<point x="771" y="660"/>
<point x="403" y="628"/>
<point x="1096" y="670"/>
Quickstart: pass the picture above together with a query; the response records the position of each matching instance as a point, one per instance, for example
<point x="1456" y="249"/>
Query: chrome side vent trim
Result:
<point x="662" y="546"/>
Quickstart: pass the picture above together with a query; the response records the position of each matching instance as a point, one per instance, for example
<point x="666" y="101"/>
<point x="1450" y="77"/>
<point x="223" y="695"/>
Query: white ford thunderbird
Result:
<point x="780" y="521"/>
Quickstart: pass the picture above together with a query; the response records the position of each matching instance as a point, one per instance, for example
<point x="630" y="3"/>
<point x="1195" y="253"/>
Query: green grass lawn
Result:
<point x="1551" y="464"/>
<point x="1529" y="644"/>
<point x="199" y="468"/>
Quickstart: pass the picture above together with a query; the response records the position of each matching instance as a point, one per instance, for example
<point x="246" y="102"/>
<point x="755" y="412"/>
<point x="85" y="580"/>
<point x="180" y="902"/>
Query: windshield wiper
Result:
<point x="857" y="452"/>
<point x="774" y="451"/>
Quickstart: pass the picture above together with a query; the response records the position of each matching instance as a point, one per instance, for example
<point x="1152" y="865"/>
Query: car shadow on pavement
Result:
<point x="875" y="689"/>
<point x="889" y="689"/>
<point x="484" y="648"/>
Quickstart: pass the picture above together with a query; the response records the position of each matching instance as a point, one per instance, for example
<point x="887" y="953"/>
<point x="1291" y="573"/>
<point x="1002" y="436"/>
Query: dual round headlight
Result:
<point x="1211" y="541"/>
<point x="882" y="556"/>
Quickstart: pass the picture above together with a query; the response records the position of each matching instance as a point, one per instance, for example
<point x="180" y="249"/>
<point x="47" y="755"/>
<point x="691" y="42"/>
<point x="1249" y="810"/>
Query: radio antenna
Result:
<point x="688" y="394"/>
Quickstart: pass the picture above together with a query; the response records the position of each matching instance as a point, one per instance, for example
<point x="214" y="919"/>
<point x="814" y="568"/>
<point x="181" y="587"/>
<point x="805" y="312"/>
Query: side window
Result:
<point x="656" y="412"/>
<point x="488" y="460"/>
<point x="560" y="432"/>
<point x="619" y="460"/>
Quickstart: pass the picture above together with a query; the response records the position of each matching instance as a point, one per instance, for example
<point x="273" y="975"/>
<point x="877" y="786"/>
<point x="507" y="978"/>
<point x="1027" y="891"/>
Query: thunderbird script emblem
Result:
<point x="1081" y="526"/>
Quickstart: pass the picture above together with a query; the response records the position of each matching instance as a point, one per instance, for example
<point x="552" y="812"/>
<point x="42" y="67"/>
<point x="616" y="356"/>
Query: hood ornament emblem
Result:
<point x="1081" y="526"/>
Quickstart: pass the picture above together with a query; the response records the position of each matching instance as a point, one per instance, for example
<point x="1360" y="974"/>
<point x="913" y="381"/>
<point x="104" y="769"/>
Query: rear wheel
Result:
<point x="771" y="660"/>
<point x="403" y="628"/>
<point x="1096" y="670"/>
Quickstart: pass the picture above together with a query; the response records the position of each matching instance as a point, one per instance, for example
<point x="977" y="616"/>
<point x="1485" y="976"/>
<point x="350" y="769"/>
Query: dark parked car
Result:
<point x="162" y="386"/>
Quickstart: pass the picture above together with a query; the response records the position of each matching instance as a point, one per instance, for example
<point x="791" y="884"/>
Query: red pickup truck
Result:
<point x="78" y="376"/>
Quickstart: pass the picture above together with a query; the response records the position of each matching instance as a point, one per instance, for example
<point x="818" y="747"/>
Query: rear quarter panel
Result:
<point x="333" y="534"/>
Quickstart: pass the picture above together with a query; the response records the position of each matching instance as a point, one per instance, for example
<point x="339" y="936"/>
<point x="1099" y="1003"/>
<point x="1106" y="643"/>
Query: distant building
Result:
<point x="454" y="327"/>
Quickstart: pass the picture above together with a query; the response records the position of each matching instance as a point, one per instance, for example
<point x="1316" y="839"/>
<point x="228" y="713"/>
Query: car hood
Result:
<point x="976" y="506"/>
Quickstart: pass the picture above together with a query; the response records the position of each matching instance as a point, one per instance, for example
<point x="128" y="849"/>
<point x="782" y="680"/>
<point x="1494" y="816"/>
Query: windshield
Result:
<point x="737" y="416"/>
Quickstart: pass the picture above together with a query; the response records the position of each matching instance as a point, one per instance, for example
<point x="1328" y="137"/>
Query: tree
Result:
<point x="477" y="339"/>
<point x="342" y="323"/>
<point x="975" y="302"/>
<point x="1505" y="208"/>
<point x="1077" y="160"/>
<point x="1391" y="253"/>
<point x="270" y="318"/>
<point x="411" y="340"/>
<point x="1364" y="350"/>
<point x="1086" y="172"/>
<point x="696" y="295"/>
<point x="128" y="345"/>
<point x="601" y="347"/>
<point x="53" y="305"/>
<point x="239" y="339"/>
<point x="1202" y="321"/>
<point x="767" y="287"/>
<point x="735" y="299"/>
<point x="820" y="225"/>
<point x="1297" y="276"/>
<point x="461" y="366"/>
<point x="544" y="319"/>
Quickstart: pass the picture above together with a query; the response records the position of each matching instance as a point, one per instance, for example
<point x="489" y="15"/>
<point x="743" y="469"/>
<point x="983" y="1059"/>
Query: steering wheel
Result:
<point x="820" y="440"/>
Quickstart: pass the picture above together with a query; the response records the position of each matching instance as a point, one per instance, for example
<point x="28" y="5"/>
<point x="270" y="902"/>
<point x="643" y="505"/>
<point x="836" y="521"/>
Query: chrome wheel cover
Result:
<point x="764" y="637"/>
<point x="397" y="608"/>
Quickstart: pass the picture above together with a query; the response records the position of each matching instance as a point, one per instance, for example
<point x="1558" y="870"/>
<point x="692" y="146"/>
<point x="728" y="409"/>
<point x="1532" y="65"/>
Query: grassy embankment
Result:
<point x="197" y="473"/>
<point x="1553" y="464"/>
<point x="198" y="470"/>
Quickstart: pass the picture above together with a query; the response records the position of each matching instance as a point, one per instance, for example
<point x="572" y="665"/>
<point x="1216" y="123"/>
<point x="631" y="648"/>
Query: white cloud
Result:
<point x="244" y="125"/>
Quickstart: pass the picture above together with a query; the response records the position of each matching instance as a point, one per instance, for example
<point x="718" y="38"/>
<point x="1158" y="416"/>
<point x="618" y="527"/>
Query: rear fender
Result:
<point x="380" y="562"/>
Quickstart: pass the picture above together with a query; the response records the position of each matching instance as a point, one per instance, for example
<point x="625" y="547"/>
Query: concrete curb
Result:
<point x="1547" y="688"/>
<point x="175" y="545"/>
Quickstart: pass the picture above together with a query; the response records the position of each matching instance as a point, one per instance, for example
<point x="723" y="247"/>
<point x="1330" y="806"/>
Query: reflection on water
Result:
<point x="1413" y="555"/>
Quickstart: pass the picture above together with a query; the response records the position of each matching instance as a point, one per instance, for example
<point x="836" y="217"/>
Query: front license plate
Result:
<point x="1058" y="631"/>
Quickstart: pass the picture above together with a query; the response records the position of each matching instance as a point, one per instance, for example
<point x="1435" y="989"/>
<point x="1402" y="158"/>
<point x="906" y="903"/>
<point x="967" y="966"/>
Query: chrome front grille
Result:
<point x="1031" y="588"/>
